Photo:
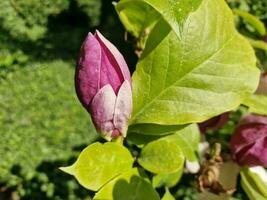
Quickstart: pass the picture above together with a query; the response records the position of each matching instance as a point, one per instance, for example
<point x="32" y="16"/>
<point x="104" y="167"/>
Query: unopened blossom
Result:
<point x="103" y="85"/>
<point x="262" y="88"/>
<point x="249" y="142"/>
<point x="214" y="123"/>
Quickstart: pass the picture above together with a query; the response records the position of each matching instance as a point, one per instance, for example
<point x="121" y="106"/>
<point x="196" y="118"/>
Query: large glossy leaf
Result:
<point x="161" y="157"/>
<point x="99" y="163"/>
<point x="127" y="186"/>
<point x="205" y="71"/>
<point x="256" y="104"/>
<point x="174" y="11"/>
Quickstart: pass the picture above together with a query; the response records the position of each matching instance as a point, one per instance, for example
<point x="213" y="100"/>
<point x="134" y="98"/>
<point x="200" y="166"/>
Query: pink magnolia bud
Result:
<point x="214" y="123"/>
<point x="103" y="85"/>
<point x="262" y="88"/>
<point x="249" y="142"/>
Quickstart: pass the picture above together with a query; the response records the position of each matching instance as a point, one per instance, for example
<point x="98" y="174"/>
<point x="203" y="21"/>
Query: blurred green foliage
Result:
<point x="255" y="7"/>
<point x="40" y="120"/>
<point x="28" y="20"/>
<point x="42" y="124"/>
<point x="245" y="11"/>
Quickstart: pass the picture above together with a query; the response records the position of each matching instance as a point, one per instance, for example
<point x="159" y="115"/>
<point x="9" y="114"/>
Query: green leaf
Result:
<point x="258" y="44"/>
<point x="154" y="129"/>
<point x="128" y="185"/>
<point x="187" y="139"/>
<point x="206" y="72"/>
<point x="256" y="104"/>
<point x="249" y="186"/>
<point x="252" y="20"/>
<point x="167" y="195"/>
<point x="99" y="163"/>
<point x="167" y="180"/>
<point x="136" y="16"/>
<point x="140" y="140"/>
<point x="259" y="179"/>
<point x="174" y="11"/>
<point x="161" y="157"/>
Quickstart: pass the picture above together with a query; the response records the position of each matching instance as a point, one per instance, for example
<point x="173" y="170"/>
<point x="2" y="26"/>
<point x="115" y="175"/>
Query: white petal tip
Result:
<point x="192" y="167"/>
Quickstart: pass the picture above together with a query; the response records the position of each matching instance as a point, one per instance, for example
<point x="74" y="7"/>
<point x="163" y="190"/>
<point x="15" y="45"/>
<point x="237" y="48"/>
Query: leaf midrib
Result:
<point x="133" y="119"/>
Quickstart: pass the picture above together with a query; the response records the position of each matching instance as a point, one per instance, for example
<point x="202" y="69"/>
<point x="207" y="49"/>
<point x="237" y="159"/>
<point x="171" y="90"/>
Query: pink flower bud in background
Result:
<point x="103" y="85"/>
<point x="249" y="142"/>
<point x="214" y="123"/>
<point x="262" y="88"/>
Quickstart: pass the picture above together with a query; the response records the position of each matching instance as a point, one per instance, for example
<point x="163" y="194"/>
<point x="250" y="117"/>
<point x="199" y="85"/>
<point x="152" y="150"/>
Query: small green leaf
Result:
<point x="167" y="180"/>
<point x="99" y="163"/>
<point x="161" y="157"/>
<point x="258" y="44"/>
<point x="187" y="139"/>
<point x="136" y="16"/>
<point x="167" y="195"/>
<point x="249" y="186"/>
<point x="256" y="104"/>
<point x="252" y="20"/>
<point x="127" y="186"/>
<point x="154" y="129"/>
<point x="259" y="179"/>
<point x="140" y="140"/>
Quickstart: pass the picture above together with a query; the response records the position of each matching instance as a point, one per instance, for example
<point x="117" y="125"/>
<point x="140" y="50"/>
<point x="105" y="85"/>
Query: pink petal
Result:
<point x="253" y="119"/>
<point x="214" y="123"/>
<point x="123" y="108"/>
<point x="114" y="64"/>
<point x="102" y="111"/>
<point x="262" y="88"/>
<point x="256" y="155"/>
<point x="87" y="75"/>
<point x="247" y="135"/>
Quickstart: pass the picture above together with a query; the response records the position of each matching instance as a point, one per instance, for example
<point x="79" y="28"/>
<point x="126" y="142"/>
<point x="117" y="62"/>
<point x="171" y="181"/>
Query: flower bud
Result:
<point x="262" y="88"/>
<point x="249" y="142"/>
<point x="103" y="86"/>
<point x="214" y="123"/>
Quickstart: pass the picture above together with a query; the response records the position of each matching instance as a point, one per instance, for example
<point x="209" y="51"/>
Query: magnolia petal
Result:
<point x="214" y="123"/>
<point x="192" y="167"/>
<point x="256" y="155"/>
<point x="249" y="142"/>
<point x="246" y="136"/>
<point x="116" y="55"/>
<point x="102" y="111"/>
<point x="261" y="173"/>
<point x="248" y="133"/>
<point x="123" y="108"/>
<point x="110" y="72"/>
<point x="253" y="119"/>
<point x="87" y="74"/>
<point x="262" y="88"/>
